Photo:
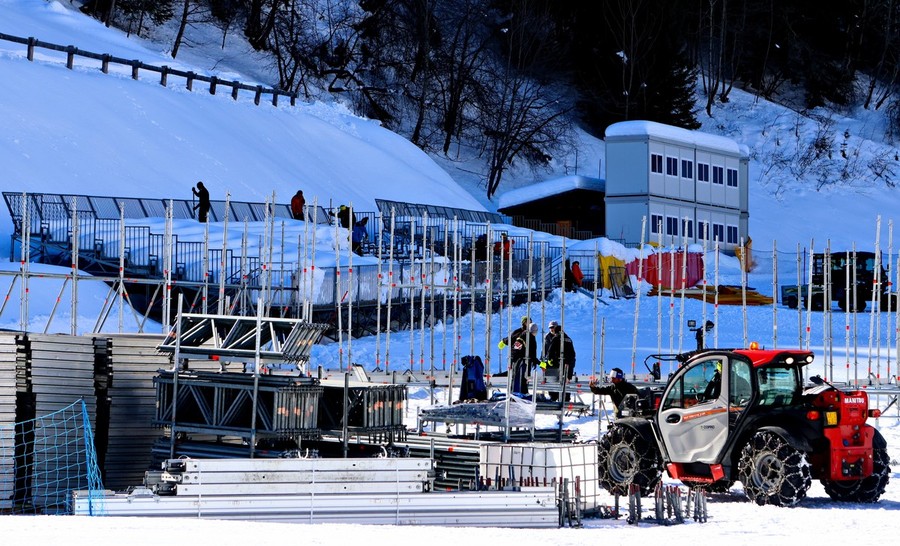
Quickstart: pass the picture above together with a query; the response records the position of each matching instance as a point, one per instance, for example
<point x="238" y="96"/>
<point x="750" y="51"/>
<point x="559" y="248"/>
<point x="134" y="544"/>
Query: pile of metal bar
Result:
<point x="8" y="358"/>
<point x="202" y="477"/>
<point x="365" y="491"/>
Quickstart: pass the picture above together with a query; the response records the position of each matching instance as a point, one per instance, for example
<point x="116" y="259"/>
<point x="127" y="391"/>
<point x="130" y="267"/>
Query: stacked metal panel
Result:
<point x="372" y="491"/>
<point x="533" y="508"/>
<point x="203" y="477"/>
<point x="61" y="373"/>
<point x="129" y="363"/>
<point x="8" y="350"/>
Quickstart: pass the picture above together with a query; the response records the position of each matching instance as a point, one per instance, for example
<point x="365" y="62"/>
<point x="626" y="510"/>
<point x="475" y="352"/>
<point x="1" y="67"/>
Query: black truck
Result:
<point x="849" y="280"/>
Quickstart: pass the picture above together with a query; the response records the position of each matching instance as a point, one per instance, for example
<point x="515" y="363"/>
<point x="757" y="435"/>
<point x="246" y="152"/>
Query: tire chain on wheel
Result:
<point x="787" y="470"/>
<point x="622" y="440"/>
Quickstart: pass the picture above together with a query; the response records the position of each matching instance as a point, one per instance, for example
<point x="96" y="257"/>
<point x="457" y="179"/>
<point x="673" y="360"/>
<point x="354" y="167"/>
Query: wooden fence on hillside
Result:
<point x="164" y="71"/>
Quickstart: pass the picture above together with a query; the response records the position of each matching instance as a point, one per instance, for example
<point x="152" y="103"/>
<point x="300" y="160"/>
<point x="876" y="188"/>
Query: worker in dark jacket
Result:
<point x="617" y="389"/>
<point x="558" y="344"/>
<point x="523" y="354"/>
<point x="202" y="206"/>
<point x="346" y="219"/>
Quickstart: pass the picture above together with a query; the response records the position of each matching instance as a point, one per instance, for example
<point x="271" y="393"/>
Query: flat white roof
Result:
<point x="547" y="188"/>
<point x="640" y="128"/>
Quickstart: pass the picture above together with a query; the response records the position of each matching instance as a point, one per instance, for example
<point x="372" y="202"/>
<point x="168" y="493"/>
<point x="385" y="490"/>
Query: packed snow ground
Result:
<point x="84" y="132"/>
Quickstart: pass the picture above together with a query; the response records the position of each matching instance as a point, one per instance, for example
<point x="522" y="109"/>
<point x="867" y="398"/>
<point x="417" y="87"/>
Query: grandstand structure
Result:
<point x="425" y="272"/>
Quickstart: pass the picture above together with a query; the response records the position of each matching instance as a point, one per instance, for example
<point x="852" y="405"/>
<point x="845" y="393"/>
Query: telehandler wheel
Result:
<point x="868" y="489"/>
<point x="772" y="471"/>
<point x="624" y="458"/>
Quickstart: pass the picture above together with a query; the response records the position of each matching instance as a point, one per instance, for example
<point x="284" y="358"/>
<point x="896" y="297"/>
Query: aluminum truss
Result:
<point x="228" y="337"/>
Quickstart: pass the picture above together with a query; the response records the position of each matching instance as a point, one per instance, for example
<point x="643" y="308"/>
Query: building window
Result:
<point x="732" y="235"/>
<point x="732" y="178"/>
<point x="703" y="172"/>
<point x="672" y="166"/>
<point x="687" y="168"/>
<point x="687" y="228"/>
<point x="718" y="232"/>
<point x="672" y="226"/>
<point x="656" y="163"/>
<point x="656" y="223"/>
<point x="718" y="175"/>
<point x="702" y="227"/>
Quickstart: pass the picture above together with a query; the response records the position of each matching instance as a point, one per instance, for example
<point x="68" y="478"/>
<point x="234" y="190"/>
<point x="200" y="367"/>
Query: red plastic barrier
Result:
<point x="658" y="269"/>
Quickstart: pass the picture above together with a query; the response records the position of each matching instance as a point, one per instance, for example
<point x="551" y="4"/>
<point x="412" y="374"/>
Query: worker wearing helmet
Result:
<point x="617" y="388"/>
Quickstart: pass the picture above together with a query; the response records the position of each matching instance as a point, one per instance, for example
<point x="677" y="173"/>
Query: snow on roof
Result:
<point x="547" y="188"/>
<point x="659" y="130"/>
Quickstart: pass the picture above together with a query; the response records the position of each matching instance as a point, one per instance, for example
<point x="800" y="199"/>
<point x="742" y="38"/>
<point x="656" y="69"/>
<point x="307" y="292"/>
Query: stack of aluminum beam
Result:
<point x="62" y="372"/>
<point x="131" y="362"/>
<point x="203" y="477"/>
<point x="369" y="491"/>
<point x="8" y="350"/>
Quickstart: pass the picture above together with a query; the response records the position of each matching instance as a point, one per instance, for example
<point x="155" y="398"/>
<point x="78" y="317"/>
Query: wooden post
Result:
<point x="135" y="66"/>
<point x="293" y="99"/>
<point x="258" y="94"/>
<point x="104" y="63"/>
<point x="70" y="57"/>
<point x="212" y="85"/>
<point x="190" y="81"/>
<point x="163" y="75"/>
<point x="31" y="49"/>
<point x="235" y="85"/>
<point x="275" y="98"/>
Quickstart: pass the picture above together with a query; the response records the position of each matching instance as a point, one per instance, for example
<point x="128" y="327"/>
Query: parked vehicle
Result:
<point x="745" y="415"/>
<point x="849" y="280"/>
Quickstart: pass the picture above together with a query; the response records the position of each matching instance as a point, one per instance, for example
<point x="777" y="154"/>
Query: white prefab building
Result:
<point x="688" y="186"/>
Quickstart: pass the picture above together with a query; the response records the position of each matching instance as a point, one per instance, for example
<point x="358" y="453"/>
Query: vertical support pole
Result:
<point x="204" y="305"/>
<point x="75" y="240"/>
<point x="390" y="287"/>
<point x="25" y="262"/>
<point x="257" y="365"/>
<point x="337" y="291"/>
<point x="350" y="281"/>
<point x="637" y="304"/>
<point x="176" y="367"/>
<point x="775" y="296"/>
<point x="121" y="267"/>
<point x="167" y="268"/>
